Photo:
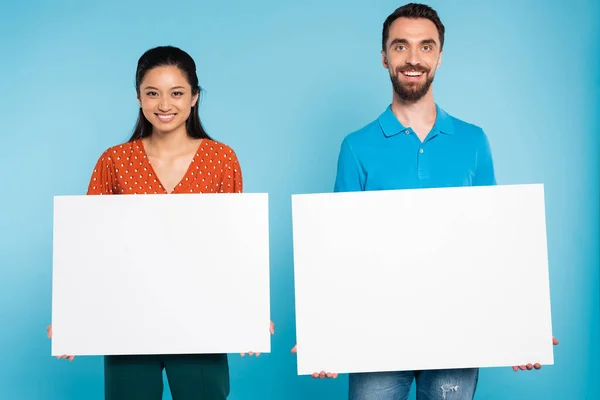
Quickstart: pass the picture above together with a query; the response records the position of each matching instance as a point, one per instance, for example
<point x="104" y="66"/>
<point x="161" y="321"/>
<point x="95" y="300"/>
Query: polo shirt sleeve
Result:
<point x="484" y="175"/>
<point x="350" y="176"/>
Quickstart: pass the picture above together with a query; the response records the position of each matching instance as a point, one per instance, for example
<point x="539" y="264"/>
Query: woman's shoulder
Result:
<point x="217" y="148"/>
<point x="122" y="151"/>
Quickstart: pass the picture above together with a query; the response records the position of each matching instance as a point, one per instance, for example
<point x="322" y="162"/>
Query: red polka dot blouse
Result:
<point x="126" y="169"/>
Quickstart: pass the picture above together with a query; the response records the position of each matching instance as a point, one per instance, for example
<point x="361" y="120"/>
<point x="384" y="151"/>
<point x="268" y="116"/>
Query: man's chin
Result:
<point x="411" y="93"/>
<point x="411" y="96"/>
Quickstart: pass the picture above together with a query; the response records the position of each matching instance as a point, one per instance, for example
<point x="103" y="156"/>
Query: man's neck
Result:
<point x="419" y="116"/>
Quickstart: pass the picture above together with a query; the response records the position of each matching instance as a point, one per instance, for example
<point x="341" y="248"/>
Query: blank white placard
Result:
<point x="421" y="279"/>
<point x="161" y="274"/>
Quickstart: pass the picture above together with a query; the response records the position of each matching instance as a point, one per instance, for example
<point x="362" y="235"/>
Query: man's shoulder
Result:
<point x="363" y="134"/>
<point x="465" y="129"/>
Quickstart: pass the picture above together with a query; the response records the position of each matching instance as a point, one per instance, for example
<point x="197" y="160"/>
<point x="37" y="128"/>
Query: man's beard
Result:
<point x="411" y="92"/>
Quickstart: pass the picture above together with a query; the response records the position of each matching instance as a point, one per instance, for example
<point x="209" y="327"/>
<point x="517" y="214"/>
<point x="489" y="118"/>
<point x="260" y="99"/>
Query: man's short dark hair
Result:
<point x="413" y="11"/>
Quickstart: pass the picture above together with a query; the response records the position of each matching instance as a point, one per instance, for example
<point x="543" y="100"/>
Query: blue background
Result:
<point x="283" y="84"/>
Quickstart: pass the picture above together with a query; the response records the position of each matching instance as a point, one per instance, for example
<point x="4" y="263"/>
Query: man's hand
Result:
<point x="320" y="375"/>
<point x="529" y="367"/>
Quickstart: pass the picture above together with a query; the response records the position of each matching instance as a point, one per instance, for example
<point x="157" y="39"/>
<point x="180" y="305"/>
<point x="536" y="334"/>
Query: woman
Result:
<point x="168" y="153"/>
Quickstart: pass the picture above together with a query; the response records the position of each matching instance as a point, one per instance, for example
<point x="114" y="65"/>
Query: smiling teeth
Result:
<point x="412" y="73"/>
<point x="166" y="116"/>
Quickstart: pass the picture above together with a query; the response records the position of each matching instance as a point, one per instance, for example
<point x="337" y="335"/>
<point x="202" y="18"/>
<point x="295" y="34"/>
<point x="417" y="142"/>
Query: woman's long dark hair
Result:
<point x="161" y="57"/>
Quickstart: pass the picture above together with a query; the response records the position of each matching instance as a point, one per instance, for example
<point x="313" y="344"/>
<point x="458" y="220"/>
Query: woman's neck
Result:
<point x="170" y="143"/>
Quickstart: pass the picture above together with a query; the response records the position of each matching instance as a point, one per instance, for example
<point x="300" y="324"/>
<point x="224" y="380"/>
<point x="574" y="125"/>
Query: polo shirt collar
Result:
<point x="390" y="125"/>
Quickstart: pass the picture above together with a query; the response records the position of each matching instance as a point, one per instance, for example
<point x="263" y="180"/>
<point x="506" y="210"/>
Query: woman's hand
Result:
<point x="272" y="330"/>
<point x="49" y="332"/>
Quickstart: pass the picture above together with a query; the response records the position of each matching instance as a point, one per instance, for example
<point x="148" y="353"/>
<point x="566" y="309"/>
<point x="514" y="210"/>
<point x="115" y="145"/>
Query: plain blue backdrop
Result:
<point x="284" y="83"/>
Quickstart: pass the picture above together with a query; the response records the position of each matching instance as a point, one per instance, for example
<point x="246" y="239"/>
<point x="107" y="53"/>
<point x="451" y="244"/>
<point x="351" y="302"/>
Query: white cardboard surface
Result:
<point x="421" y="279"/>
<point x="161" y="274"/>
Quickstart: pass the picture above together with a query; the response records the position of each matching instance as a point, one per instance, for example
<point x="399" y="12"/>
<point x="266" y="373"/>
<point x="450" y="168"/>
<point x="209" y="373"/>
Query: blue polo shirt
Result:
<point x="384" y="155"/>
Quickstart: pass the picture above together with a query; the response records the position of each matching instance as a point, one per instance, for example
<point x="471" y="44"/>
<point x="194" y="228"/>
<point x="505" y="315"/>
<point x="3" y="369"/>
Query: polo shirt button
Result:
<point x="421" y="151"/>
<point x="407" y="132"/>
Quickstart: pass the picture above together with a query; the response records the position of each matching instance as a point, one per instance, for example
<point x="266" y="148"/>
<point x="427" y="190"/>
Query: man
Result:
<point x="414" y="144"/>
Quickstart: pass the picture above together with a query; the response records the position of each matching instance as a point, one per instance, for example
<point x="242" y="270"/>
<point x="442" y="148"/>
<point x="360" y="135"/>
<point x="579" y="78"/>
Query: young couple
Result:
<point x="412" y="144"/>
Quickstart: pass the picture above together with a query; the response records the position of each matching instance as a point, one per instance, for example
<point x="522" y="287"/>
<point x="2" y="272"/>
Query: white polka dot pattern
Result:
<point x="214" y="169"/>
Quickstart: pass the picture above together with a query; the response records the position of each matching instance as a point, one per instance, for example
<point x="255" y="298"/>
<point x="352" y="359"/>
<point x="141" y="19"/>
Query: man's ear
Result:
<point x="384" y="60"/>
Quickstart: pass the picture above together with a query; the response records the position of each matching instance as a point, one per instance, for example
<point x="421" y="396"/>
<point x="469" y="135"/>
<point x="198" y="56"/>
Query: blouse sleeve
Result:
<point x="231" y="178"/>
<point x="103" y="180"/>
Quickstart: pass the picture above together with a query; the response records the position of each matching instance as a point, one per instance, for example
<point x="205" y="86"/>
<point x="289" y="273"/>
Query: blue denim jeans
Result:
<point x="453" y="384"/>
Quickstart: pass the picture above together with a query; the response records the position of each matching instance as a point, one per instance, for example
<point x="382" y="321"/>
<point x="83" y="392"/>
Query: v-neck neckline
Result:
<point x="185" y="175"/>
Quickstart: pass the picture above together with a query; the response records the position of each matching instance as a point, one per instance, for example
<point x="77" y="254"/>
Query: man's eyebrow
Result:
<point x="428" y="41"/>
<point x="398" y="41"/>
<point x="404" y="41"/>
